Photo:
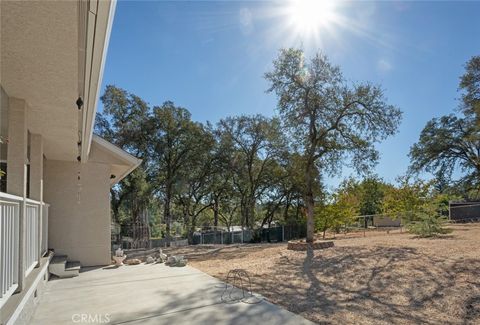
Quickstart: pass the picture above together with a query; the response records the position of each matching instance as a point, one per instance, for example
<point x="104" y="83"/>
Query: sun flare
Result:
<point x="309" y="17"/>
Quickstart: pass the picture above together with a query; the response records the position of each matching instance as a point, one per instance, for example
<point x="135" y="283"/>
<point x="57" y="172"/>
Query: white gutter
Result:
<point x="99" y="25"/>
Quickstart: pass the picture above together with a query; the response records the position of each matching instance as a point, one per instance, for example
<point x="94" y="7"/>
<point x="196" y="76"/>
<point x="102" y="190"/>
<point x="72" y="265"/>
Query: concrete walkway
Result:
<point x="150" y="294"/>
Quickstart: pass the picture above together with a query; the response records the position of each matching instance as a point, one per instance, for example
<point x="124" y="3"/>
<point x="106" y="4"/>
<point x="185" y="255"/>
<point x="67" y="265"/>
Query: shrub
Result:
<point x="428" y="225"/>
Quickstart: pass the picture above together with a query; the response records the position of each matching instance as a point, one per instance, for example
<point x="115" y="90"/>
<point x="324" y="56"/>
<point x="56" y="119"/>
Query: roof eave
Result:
<point x="99" y="25"/>
<point x="129" y="160"/>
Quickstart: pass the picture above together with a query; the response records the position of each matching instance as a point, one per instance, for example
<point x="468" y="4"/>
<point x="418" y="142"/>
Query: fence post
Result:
<point x="283" y="233"/>
<point x="242" y="235"/>
<point x="221" y="237"/>
<point x="232" y="237"/>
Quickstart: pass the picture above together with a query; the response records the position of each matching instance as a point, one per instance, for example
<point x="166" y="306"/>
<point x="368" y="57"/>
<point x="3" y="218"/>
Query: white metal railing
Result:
<point x="33" y="240"/>
<point x="9" y="245"/>
<point x="44" y="247"/>
<point x="32" y="236"/>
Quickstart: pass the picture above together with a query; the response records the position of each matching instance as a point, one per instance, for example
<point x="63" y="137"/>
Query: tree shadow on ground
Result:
<point x="381" y="285"/>
<point x="203" y="306"/>
<point x="230" y="252"/>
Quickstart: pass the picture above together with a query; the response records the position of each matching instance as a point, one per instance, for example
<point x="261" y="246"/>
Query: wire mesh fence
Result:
<point x="137" y="235"/>
<point x="273" y="234"/>
<point x="164" y="242"/>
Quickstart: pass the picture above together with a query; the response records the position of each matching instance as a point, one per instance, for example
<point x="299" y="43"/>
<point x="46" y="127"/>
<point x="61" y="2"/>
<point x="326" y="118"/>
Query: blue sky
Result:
<point x="210" y="56"/>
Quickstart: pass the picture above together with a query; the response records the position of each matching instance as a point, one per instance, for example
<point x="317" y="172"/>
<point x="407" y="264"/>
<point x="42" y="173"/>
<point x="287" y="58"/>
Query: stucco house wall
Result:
<point x="79" y="227"/>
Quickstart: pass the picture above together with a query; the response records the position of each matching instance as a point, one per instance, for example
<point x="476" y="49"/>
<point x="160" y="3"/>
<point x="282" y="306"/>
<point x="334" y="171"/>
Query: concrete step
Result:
<point x="59" y="259"/>
<point x="73" y="266"/>
<point x="61" y="267"/>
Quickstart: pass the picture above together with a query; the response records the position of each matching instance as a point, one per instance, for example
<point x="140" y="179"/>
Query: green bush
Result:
<point x="428" y="225"/>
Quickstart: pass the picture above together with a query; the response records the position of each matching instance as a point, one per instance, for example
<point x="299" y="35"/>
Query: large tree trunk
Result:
<point x="166" y="212"/>
<point x="310" y="216"/>
<point x="310" y="201"/>
<point x="116" y="213"/>
<point x="285" y="211"/>
<point x="297" y="209"/>
<point x="243" y="212"/>
<point x="251" y="213"/>
<point x="115" y="204"/>
<point x="186" y="215"/>
<point x="215" y="213"/>
<point x="192" y="227"/>
<point x="310" y="176"/>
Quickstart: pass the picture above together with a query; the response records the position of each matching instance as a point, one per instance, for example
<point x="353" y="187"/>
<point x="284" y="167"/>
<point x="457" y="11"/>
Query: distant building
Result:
<point x="384" y="221"/>
<point x="464" y="211"/>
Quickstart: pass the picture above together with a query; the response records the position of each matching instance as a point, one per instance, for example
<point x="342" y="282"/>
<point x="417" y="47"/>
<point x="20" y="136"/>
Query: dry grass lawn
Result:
<point x="380" y="279"/>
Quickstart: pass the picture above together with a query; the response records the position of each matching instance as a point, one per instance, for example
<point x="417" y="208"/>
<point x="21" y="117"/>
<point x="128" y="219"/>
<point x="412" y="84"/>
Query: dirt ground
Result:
<point x="382" y="278"/>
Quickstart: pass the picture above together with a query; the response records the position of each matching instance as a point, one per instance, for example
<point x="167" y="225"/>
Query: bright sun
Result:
<point x="308" y="17"/>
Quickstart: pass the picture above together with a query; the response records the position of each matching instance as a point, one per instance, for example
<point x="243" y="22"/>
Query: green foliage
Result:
<point x="256" y="144"/>
<point x="157" y="229"/>
<point x="285" y="191"/>
<point x="405" y="200"/>
<point x="429" y="224"/>
<point x="333" y="215"/>
<point x="351" y="198"/>
<point x="257" y="170"/>
<point x="192" y="172"/>
<point x="329" y="119"/>
<point x="372" y="195"/>
<point x="176" y="144"/>
<point x="470" y="85"/>
<point x="327" y="217"/>
<point x="446" y="144"/>
<point x="123" y="122"/>
<point x="450" y="143"/>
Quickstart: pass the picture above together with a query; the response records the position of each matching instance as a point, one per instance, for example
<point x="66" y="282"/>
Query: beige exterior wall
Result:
<point x="17" y="147"/>
<point x="3" y="122"/>
<point x="79" y="228"/>
<point x="36" y="167"/>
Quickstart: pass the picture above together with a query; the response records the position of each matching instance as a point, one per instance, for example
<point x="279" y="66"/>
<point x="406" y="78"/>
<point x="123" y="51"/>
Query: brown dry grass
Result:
<point x="379" y="279"/>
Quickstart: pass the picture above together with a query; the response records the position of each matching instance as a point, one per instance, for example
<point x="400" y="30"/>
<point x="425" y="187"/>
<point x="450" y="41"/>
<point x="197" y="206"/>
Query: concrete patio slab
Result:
<point x="150" y="294"/>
